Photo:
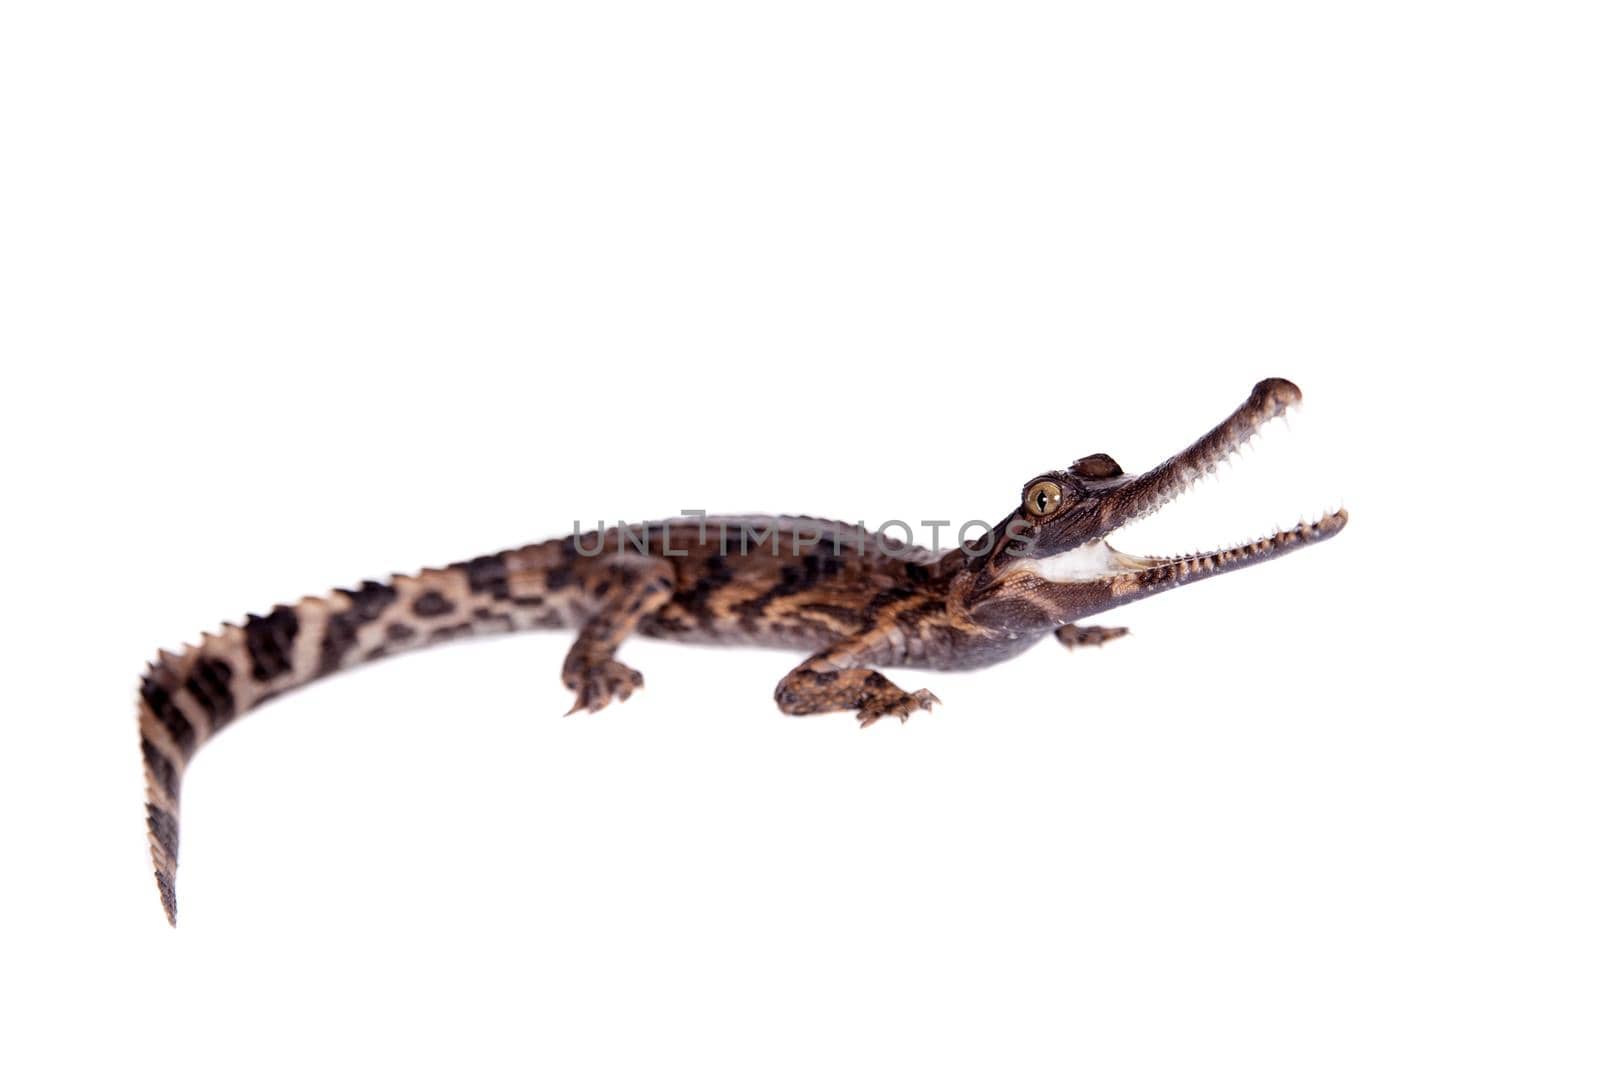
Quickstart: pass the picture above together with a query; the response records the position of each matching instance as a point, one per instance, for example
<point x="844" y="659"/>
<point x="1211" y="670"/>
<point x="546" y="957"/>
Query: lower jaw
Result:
<point x="1159" y="572"/>
<point x="1099" y="561"/>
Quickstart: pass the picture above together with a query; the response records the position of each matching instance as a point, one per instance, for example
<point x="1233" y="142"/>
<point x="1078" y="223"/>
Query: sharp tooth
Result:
<point x="1274" y="474"/>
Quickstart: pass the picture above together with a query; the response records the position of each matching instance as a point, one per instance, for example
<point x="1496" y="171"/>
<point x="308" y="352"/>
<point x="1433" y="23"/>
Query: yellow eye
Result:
<point x="1042" y="498"/>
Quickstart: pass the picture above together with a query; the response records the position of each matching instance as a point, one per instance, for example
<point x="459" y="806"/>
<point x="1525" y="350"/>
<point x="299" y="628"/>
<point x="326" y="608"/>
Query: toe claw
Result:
<point x="900" y="705"/>
<point x="601" y="683"/>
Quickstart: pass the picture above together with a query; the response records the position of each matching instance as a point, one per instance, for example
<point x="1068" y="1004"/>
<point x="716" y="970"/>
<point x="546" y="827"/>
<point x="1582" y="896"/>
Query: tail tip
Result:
<point x="169" y="897"/>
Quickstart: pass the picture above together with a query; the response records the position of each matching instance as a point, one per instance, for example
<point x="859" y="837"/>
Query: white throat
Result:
<point x="1082" y="564"/>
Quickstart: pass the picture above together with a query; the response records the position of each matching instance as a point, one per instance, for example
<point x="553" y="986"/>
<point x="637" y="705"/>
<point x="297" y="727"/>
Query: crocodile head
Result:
<point x="1051" y="562"/>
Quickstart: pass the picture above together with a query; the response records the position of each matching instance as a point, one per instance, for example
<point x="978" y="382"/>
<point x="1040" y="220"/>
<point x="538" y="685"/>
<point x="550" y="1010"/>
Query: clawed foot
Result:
<point x="598" y="684"/>
<point x="815" y="687"/>
<point x="1079" y="636"/>
<point x="899" y="704"/>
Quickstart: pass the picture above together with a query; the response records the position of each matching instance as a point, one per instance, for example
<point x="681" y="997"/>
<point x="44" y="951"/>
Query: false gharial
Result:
<point x="849" y="601"/>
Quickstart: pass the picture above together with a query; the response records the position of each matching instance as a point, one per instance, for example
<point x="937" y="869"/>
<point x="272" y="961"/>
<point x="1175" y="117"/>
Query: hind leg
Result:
<point x="624" y="590"/>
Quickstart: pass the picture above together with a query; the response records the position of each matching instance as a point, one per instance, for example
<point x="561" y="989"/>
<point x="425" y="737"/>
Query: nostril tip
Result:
<point x="1332" y="523"/>
<point x="1280" y="393"/>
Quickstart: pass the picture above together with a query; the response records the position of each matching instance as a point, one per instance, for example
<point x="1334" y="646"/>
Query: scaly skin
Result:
<point x="850" y="601"/>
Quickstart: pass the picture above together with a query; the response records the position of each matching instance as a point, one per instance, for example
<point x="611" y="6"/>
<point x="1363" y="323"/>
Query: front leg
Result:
<point x="622" y="589"/>
<point x="832" y="680"/>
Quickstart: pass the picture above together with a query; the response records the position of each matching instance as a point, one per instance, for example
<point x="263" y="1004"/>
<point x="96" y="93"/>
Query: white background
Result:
<point x="297" y="294"/>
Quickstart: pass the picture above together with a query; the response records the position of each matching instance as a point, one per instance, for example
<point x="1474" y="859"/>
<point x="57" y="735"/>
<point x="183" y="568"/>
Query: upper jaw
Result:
<point x="1143" y="494"/>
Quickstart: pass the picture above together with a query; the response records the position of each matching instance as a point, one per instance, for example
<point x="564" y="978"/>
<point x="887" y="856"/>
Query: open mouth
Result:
<point x="1141" y="497"/>
<point x="1098" y="560"/>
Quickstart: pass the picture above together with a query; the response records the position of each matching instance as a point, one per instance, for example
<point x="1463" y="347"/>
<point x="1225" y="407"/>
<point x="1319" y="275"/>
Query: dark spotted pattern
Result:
<point x="487" y="574"/>
<point x="367" y="603"/>
<point x="696" y="599"/>
<point x="431" y="605"/>
<point x="161" y="768"/>
<point x="843" y="613"/>
<point x="270" y="642"/>
<point x="793" y="578"/>
<point x="158" y="698"/>
<point x="888" y="598"/>
<point x="210" y="683"/>
<point x="925" y="608"/>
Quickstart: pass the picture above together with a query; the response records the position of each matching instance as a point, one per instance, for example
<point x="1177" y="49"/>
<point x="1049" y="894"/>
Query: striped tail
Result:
<point x="186" y="697"/>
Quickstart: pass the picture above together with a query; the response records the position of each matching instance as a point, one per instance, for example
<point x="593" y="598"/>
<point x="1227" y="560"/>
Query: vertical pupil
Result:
<point x="1038" y="501"/>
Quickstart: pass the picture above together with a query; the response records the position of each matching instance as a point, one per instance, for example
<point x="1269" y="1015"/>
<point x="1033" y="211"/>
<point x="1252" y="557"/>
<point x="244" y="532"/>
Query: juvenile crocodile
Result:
<point x="849" y="600"/>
